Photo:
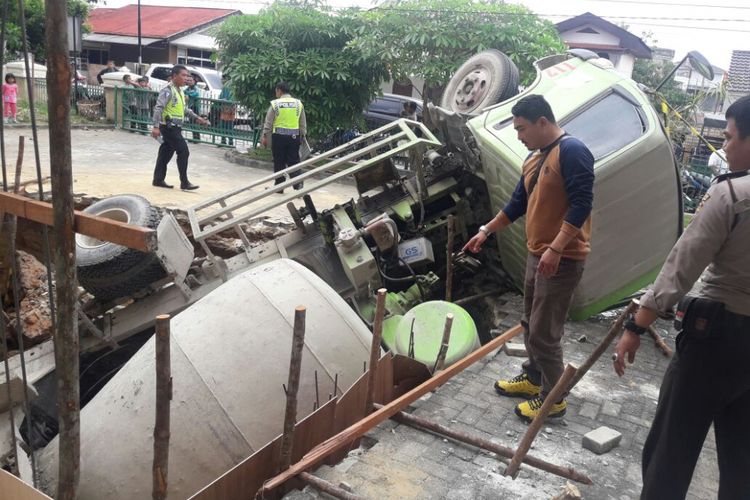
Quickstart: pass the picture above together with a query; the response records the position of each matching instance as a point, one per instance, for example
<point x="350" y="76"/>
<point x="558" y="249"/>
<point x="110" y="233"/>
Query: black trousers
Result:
<point x="707" y="381"/>
<point x="173" y="143"/>
<point x="285" y="149"/>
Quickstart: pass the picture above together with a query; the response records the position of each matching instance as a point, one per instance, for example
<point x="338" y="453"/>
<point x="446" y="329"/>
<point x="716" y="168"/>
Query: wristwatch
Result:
<point x="630" y="325"/>
<point x="486" y="231"/>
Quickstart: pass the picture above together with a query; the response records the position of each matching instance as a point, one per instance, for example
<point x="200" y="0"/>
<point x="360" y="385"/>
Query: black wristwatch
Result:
<point x="630" y="325"/>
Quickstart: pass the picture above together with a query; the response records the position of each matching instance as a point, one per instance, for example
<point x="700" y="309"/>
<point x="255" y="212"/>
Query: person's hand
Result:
<point x="474" y="245"/>
<point x="549" y="263"/>
<point x="155" y="132"/>
<point x="264" y="141"/>
<point x="203" y="121"/>
<point x="628" y="344"/>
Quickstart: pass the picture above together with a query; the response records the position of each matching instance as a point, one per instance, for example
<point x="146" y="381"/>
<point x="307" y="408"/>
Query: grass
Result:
<point x="42" y="116"/>
<point x="262" y="154"/>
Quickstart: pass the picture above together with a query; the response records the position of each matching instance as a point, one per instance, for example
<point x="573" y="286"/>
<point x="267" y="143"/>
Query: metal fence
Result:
<point x="230" y="124"/>
<point x="88" y="100"/>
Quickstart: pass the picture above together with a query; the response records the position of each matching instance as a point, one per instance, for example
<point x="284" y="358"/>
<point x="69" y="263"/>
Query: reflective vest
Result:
<point x="175" y="107"/>
<point x="288" y="111"/>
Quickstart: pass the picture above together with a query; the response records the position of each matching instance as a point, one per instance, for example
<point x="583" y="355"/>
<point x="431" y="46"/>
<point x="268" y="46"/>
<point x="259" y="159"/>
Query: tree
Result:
<point x="432" y="38"/>
<point x="309" y="47"/>
<point x="35" y="25"/>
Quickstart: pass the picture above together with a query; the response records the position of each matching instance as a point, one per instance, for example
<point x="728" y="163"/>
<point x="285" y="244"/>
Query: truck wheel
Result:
<point x="485" y="79"/>
<point x="109" y="271"/>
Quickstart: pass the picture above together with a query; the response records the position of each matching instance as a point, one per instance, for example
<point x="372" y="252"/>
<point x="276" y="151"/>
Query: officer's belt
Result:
<point x="286" y="131"/>
<point x="175" y="121"/>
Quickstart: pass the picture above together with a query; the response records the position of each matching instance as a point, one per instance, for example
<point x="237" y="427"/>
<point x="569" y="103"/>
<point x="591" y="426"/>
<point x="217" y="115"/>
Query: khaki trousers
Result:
<point x="546" y="304"/>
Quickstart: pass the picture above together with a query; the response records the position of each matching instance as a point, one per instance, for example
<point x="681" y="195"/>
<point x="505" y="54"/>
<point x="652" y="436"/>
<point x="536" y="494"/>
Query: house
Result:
<point x="610" y="41"/>
<point x="168" y="35"/>
<point x="739" y="76"/>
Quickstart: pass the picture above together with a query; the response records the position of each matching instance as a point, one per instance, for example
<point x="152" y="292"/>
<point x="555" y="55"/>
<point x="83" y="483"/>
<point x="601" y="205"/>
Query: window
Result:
<point x="96" y="56"/>
<point x="608" y="124"/>
<point x="161" y="73"/>
<point x="195" y="57"/>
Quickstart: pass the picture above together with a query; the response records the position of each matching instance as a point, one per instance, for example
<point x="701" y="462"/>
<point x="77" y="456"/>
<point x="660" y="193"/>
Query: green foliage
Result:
<point x="432" y="38"/>
<point x="310" y="48"/>
<point x="650" y="73"/>
<point x="35" y="26"/>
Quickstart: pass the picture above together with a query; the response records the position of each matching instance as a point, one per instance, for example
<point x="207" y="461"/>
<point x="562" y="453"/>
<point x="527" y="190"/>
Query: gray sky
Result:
<point x="682" y="25"/>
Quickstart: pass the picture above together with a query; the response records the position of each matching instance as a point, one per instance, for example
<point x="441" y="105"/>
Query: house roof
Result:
<point x="627" y="40"/>
<point x="739" y="72"/>
<point x="156" y="21"/>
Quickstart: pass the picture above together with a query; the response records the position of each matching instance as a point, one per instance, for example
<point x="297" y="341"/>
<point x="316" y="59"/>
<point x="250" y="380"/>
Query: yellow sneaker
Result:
<point x="530" y="409"/>
<point x="518" y="387"/>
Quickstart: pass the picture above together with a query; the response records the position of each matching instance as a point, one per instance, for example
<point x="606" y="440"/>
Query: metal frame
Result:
<point x="221" y="216"/>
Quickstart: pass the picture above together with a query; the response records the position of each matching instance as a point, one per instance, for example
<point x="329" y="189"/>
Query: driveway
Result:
<point x="107" y="162"/>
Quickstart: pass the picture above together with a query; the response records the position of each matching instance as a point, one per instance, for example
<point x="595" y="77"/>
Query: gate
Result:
<point x="231" y="123"/>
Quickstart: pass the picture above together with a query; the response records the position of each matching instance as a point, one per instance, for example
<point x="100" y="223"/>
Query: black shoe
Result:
<point x="162" y="184"/>
<point x="186" y="186"/>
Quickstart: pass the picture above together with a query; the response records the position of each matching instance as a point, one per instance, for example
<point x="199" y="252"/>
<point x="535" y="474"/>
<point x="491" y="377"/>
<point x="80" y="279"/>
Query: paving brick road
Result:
<point x="405" y="463"/>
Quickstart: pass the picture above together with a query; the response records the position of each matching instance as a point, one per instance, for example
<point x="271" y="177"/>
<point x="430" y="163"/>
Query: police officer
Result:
<point x="708" y="380"/>
<point x="286" y="120"/>
<point x="169" y="114"/>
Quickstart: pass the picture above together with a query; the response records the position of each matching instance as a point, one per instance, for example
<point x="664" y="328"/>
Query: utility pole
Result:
<point x="66" y="319"/>
<point x="140" y="46"/>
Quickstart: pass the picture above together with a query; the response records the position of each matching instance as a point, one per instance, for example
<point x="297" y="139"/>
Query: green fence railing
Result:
<point x="230" y="124"/>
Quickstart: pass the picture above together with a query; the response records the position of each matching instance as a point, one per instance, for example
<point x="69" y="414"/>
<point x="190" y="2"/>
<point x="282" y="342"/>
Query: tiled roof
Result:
<point x="739" y="72"/>
<point x="156" y="21"/>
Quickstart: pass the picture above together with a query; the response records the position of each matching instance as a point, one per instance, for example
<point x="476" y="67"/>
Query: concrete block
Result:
<point x="516" y="349"/>
<point x="601" y="440"/>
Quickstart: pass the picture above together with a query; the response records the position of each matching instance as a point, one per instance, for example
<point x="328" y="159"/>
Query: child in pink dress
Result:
<point x="10" y="96"/>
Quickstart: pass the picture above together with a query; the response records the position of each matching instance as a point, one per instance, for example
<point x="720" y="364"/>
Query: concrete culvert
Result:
<point x="230" y="356"/>
<point x="109" y="271"/>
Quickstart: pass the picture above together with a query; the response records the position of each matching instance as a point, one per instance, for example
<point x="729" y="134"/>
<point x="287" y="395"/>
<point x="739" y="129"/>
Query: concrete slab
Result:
<point x="601" y="440"/>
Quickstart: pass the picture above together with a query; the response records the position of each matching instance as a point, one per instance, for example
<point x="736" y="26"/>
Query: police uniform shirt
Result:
<point x="167" y="94"/>
<point x="271" y="116"/>
<point x="717" y="237"/>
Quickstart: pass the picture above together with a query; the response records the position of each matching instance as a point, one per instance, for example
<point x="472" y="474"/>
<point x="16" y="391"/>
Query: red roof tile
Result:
<point x="156" y="21"/>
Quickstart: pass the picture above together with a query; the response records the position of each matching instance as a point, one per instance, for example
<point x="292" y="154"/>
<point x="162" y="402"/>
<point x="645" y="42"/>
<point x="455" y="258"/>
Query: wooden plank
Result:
<point x="408" y="373"/>
<point x="248" y="476"/>
<point x="341" y="440"/>
<point x="13" y="488"/>
<point x="131" y="236"/>
<point x="350" y="408"/>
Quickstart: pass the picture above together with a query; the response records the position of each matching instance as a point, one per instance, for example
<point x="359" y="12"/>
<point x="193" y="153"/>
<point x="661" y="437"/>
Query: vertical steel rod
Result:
<point x="295" y="366"/>
<point x="449" y="258"/>
<point x="377" y="336"/>
<point x="160" y="467"/>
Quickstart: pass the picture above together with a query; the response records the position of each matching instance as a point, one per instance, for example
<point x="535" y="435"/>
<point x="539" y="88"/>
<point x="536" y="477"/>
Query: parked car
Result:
<point x="209" y="80"/>
<point x="387" y="108"/>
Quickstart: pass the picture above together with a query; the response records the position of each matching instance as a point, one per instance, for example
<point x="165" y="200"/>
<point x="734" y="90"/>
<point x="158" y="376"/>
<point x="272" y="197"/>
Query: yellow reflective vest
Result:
<point x="175" y="107"/>
<point x="288" y="111"/>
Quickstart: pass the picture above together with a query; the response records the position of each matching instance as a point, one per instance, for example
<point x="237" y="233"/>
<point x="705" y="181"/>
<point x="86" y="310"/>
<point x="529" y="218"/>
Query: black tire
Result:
<point x="109" y="271"/>
<point x="483" y="80"/>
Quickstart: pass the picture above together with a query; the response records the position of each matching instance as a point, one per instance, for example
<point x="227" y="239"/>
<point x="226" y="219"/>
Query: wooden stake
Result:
<point x="295" y="366"/>
<point x="440" y="361"/>
<point x="163" y="398"/>
<point x="377" y="336"/>
<point x="327" y="487"/>
<point x="555" y="394"/>
<point x="485" y="444"/>
<point x="449" y="258"/>
<point x="603" y="345"/>
<point x="356" y="430"/>
<point x="663" y="347"/>
<point x="63" y="233"/>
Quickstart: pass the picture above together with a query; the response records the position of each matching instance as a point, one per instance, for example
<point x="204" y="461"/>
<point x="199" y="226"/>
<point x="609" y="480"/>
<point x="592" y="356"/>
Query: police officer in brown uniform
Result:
<point x="708" y="379"/>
